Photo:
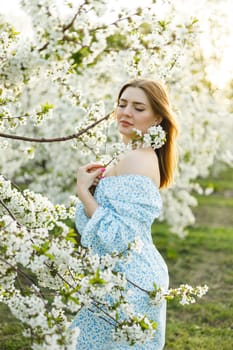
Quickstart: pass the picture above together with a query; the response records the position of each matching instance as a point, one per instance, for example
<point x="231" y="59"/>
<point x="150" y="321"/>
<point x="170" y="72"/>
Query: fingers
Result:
<point x="92" y="166"/>
<point x="98" y="173"/>
<point x="89" y="175"/>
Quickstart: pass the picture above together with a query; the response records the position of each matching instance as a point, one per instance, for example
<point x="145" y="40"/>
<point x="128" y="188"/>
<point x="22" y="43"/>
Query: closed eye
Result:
<point x="137" y="109"/>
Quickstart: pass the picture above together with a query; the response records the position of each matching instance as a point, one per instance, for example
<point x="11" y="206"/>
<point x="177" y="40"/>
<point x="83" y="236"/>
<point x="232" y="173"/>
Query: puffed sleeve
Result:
<point x="128" y="206"/>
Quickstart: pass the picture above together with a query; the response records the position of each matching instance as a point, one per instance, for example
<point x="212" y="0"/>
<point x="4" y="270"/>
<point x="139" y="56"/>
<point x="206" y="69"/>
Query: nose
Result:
<point x="128" y="110"/>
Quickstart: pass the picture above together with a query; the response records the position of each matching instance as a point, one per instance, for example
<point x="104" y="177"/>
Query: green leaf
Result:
<point x="96" y="279"/>
<point x="46" y="107"/>
<point x="41" y="249"/>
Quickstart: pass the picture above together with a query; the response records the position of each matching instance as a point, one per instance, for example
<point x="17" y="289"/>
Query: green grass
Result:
<point x="204" y="256"/>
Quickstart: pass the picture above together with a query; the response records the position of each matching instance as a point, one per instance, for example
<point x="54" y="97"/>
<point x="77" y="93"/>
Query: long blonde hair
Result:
<point x="167" y="154"/>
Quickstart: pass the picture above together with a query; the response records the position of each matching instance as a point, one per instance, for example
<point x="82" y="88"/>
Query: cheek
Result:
<point x="145" y="121"/>
<point x="116" y="115"/>
<point x="118" y="112"/>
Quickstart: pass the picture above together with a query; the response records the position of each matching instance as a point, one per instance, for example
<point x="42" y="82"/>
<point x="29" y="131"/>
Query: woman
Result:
<point x="124" y="206"/>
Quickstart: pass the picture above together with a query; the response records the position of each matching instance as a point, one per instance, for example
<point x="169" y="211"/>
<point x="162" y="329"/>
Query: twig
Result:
<point x="105" y="312"/>
<point x="9" y="212"/>
<point x="116" y="21"/>
<point x="69" y="25"/>
<point x="103" y="318"/>
<point x="17" y="269"/>
<point x="18" y="117"/>
<point x="135" y="285"/>
<point x="14" y="184"/>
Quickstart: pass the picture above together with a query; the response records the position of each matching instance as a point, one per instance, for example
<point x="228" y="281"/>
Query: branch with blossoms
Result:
<point x="75" y="276"/>
<point x="91" y="291"/>
<point x="50" y="92"/>
<point x="67" y="26"/>
<point x="56" y="139"/>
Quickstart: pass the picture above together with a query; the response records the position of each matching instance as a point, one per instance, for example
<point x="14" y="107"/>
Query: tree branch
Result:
<point x="105" y="26"/>
<point x="67" y="26"/>
<point x="55" y="139"/>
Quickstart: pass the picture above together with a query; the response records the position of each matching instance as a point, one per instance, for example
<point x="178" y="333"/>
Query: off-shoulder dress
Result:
<point x="128" y="205"/>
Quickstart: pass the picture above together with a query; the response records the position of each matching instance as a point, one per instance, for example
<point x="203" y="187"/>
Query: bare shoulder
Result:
<point x="143" y="161"/>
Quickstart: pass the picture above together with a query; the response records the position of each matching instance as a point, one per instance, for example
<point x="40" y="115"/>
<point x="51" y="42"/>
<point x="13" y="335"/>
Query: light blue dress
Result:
<point x="128" y="205"/>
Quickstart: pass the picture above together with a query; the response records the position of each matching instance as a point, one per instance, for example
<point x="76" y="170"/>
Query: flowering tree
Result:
<point x="63" y="80"/>
<point x="57" y="95"/>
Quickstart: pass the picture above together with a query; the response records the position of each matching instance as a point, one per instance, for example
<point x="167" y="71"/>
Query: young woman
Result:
<point x="124" y="206"/>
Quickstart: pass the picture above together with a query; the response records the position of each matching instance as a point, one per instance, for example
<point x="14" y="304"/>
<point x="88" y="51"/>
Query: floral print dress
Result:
<point x="128" y="205"/>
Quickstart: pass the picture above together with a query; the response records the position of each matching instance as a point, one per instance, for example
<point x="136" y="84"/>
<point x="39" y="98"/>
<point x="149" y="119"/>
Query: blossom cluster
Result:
<point x="185" y="293"/>
<point x="155" y="137"/>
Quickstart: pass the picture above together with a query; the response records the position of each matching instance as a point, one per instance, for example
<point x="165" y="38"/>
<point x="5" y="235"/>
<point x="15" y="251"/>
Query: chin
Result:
<point x="126" y="133"/>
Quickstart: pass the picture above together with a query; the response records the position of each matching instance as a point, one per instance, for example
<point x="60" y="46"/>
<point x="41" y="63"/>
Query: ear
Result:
<point x="158" y="120"/>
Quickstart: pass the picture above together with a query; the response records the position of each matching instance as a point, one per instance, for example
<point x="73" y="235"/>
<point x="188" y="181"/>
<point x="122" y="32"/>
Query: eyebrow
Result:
<point x="134" y="102"/>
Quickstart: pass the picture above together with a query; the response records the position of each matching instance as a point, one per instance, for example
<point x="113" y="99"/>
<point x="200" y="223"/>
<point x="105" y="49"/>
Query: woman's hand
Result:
<point x="87" y="176"/>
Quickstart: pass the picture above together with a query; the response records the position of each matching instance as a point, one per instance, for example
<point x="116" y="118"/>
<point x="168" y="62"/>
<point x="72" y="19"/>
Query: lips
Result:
<point x="125" y="123"/>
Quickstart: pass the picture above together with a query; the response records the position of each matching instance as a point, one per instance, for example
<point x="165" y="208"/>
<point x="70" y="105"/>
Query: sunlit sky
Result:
<point x="223" y="47"/>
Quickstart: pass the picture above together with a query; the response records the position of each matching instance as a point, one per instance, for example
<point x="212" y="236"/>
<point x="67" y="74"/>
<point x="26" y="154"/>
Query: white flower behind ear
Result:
<point x="158" y="136"/>
<point x="147" y="140"/>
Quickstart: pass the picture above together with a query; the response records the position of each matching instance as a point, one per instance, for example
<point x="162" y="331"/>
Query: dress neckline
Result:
<point x="131" y="175"/>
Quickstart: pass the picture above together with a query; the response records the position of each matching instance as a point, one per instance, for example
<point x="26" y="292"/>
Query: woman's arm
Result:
<point x="88" y="201"/>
